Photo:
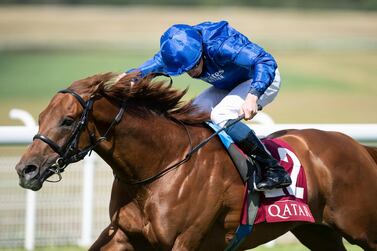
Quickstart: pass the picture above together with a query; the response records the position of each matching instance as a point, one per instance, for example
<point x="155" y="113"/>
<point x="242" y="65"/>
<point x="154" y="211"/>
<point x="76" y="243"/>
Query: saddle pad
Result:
<point x="286" y="204"/>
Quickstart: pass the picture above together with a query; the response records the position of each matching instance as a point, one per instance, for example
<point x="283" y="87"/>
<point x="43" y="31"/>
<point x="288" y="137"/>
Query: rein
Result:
<point x="168" y="169"/>
<point x="187" y="157"/>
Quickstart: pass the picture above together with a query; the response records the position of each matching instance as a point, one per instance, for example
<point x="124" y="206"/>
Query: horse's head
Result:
<point x="64" y="136"/>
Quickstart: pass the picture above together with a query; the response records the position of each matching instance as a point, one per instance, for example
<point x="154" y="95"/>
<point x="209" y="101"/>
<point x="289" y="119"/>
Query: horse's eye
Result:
<point x="67" y="121"/>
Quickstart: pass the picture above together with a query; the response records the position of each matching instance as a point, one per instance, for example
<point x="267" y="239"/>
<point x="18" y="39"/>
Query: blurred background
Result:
<point x="326" y="52"/>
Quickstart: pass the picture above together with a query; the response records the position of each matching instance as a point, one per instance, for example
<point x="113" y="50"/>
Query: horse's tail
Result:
<point x="372" y="151"/>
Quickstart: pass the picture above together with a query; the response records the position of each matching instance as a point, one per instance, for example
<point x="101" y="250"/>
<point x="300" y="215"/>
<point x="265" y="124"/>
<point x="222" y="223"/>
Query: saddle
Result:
<point x="278" y="205"/>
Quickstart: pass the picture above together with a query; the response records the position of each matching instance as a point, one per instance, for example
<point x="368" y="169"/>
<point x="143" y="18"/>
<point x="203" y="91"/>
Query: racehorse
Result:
<point x="163" y="199"/>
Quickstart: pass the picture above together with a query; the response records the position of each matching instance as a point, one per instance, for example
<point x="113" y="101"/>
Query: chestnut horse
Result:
<point x="163" y="199"/>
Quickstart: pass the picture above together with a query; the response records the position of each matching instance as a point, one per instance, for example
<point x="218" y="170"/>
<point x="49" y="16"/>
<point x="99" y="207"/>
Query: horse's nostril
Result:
<point x="30" y="169"/>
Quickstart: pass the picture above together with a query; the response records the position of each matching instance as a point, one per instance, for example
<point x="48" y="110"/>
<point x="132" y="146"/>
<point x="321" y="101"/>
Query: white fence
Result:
<point x="63" y="214"/>
<point x="59" y="214"/>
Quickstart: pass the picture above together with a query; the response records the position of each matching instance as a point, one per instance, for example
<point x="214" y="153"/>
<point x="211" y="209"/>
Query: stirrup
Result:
<point x="270" y="189"/>
<point x="255" y="183"/>
<point x="257" y="177"/>
<point x="284" y="182"/>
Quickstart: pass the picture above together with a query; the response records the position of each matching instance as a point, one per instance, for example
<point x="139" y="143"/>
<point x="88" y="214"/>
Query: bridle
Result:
<point x="70" y="152"/>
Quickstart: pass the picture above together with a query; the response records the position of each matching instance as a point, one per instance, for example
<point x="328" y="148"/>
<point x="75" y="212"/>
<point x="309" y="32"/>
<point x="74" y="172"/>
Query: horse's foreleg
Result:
<point x="112" y="238"/>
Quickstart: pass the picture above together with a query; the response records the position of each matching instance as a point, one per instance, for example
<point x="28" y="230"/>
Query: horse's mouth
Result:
<point x="36" y="182"/>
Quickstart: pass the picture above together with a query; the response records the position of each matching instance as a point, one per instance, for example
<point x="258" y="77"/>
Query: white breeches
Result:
<point x="225" y="105"/>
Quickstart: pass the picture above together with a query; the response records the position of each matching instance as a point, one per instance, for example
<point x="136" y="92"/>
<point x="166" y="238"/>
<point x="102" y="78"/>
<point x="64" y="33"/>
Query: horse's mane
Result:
<point x="144" y="95"/>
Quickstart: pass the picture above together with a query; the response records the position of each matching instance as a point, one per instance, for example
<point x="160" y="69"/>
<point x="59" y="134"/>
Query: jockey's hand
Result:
<point x="250" y="107"/>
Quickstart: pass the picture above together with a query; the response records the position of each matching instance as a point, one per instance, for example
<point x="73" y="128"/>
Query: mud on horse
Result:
<point x="141" y="129"/>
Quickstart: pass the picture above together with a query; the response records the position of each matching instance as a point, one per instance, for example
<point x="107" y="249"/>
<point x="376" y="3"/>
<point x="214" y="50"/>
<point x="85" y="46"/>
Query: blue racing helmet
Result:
<point x="181" y="48"/>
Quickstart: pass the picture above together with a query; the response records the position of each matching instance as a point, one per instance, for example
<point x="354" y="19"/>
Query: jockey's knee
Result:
<point x="221" y="117"/>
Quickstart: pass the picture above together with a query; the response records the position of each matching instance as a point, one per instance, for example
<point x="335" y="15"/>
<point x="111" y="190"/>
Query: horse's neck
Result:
<point x="141" y="147"/>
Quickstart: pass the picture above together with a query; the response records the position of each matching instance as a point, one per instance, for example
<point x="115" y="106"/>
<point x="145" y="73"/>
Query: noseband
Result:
<point x="70" y="152"/>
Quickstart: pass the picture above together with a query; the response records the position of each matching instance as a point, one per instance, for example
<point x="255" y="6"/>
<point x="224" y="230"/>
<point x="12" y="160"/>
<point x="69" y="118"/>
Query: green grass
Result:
<point x="36" y="74"/>
<point x="28" y="80"/>
<point x="317" y="87"/>
<point x="39" y="74"/>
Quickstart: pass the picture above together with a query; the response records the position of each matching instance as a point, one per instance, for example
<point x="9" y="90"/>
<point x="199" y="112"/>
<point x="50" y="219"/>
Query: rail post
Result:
<point x="31" y="196"/>
<point x="87" y="201"/>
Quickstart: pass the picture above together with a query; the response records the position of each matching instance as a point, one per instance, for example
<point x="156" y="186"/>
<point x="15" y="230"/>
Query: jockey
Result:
<point x="242" y="74"/>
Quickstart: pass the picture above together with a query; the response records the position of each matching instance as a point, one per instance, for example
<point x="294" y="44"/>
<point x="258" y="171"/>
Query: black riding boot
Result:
<point x="274" y="176"/>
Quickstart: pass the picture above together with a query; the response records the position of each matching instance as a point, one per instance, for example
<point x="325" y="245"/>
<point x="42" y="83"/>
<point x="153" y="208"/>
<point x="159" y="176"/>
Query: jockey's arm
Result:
<point x="264" y="65"/>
